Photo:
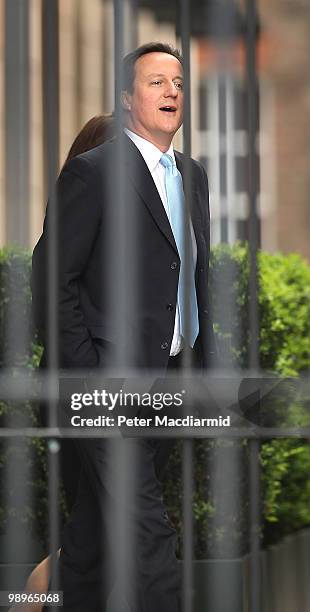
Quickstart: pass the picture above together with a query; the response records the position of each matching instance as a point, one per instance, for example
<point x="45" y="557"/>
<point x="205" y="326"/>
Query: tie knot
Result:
<point x="166" y="160"/>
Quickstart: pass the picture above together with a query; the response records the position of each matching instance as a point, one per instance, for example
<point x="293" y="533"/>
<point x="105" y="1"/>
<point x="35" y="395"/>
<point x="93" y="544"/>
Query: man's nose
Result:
<point x="171" y="90"/>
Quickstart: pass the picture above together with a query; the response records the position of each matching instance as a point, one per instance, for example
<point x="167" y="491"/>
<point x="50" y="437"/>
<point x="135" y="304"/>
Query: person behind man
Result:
<point x="96" y="131"/>
<point x="151" y="254"/>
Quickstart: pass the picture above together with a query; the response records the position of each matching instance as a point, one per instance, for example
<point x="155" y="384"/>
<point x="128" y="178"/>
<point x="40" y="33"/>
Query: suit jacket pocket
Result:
<point x="104" y="350"/>
<point x="103" y="332"/>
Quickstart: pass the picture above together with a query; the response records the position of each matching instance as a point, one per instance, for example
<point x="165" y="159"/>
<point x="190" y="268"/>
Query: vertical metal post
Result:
<point x="51" y="155"/>
<point x="120" y="289"/>
<point x="50" y="49"/>
<point x="16" y="327"/>
<point x="187" y="465"/>
<point x="118" y="57"/>
<point x="78" y="50"/>
<point x="255" y="561"/>
<point x="253" y="179"/>
<point x="230" y="163"/>
<point x="188" y="444"/>
<point x="17" y="120"/>
<point x="185" y="40"/>
<point x="255" y="553"/>
<point x="223" y="160"/>
<point x="132" y="34"/>
<point x="107" y="53"/>
<point x="214" y="171"/>
<point x="130" y="40"/>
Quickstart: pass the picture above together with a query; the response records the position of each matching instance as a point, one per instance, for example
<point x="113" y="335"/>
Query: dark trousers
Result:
<point x="89" y="565"/>
<point x="144" y="574"/>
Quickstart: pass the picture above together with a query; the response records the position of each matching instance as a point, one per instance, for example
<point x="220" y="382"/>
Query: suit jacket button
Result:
<point x="164" y="346"/>
<point x="201" y="270"/>
<point x="170" y="307"/>
<point x="173" y="265"/>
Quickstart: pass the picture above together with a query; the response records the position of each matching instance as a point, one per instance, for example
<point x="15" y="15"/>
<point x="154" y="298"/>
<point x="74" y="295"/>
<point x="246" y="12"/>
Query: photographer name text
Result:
<point x="119" y="400"/>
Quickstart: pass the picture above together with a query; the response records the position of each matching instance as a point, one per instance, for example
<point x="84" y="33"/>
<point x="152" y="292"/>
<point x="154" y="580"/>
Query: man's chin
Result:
<point x="171" y="129"/>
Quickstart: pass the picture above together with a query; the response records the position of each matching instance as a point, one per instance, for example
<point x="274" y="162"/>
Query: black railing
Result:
<point x="17" y="138"/>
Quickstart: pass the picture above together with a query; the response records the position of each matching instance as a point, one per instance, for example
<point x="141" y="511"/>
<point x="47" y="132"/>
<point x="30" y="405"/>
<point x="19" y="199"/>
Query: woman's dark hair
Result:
<point x="131" y="58"/>
<point x="96" y="131"/>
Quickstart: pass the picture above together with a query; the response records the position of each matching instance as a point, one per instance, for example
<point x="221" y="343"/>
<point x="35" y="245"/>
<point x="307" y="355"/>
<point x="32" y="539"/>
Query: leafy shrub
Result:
<point x="284" y="313"/>
<point x="220" y="513"/>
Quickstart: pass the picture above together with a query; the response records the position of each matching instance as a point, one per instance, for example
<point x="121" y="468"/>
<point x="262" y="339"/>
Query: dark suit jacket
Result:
<point x="96" y="262"/>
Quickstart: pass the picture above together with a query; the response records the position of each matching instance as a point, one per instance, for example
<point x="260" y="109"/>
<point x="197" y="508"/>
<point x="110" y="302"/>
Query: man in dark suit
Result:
<point x="138" y="255"/>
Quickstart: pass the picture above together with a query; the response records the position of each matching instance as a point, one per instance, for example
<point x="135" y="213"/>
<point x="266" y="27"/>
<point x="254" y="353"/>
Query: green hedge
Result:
<point x="221" y="527"/>
<point x="284" y="311"/>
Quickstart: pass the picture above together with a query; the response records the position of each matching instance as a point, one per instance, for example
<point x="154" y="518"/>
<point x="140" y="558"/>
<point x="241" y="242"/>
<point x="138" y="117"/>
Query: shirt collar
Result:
<point x="149" y="152"/>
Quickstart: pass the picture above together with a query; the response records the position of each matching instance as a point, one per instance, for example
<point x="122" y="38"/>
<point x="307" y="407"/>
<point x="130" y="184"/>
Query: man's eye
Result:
<point x="156" y="82"/>
<point x="179" y="85"/>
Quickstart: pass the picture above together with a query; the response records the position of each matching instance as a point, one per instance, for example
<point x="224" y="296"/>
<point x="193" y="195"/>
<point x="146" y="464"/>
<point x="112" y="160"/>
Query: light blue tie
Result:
<point x="187" y="298"/>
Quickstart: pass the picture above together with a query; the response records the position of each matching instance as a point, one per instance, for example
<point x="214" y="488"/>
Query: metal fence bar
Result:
<point x="253" y="182"/>
<point x="19" y="383"/>
<point x="170" y="432"/>
<point x="50" y="52"/>
<point x="254" y="489"/>
<point x="187" y="175"/>
<point x="123" y="225"/>
<point x="188" y="544"/>
<point x="51" y="123"/>
<point x="125" y="460"/>
<point x="17" y="120"/>
<point x="53" y="448"/>
<point x="255" y="521"/>
<point x="50" y="75"/>
<point x="187" y="451"/>
<point x="15" y="330"/>
<point x="118" y="6"/>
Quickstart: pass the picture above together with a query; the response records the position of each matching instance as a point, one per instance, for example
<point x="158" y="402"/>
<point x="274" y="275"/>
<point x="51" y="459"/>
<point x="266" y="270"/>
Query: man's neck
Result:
<point x="162" y="141"/>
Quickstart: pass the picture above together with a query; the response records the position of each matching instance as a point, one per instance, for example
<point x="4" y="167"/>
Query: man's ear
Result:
<point x="126" y="100"/>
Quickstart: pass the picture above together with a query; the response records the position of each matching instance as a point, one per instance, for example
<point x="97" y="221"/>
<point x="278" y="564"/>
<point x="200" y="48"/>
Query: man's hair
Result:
<point x="130" y="59"/>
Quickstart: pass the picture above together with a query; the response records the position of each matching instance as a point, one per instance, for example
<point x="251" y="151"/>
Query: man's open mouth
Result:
<point x="168" y="109"/>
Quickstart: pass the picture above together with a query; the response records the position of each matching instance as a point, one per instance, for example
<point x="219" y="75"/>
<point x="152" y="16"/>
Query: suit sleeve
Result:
<point x="77" y="221"/>
<point x="207" y="206"/>
<point x="211" y="339"/>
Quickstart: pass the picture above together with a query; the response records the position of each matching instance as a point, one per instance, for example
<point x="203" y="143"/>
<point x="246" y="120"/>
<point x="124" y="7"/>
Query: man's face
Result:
<point x="156" y="103"/>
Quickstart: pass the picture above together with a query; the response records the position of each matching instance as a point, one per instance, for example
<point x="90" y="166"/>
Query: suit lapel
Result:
<point x="143" y="182"/>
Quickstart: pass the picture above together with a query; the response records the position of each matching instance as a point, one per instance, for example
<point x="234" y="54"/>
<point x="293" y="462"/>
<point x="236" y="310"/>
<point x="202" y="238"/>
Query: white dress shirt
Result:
<point x="151" y="156"/>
